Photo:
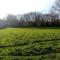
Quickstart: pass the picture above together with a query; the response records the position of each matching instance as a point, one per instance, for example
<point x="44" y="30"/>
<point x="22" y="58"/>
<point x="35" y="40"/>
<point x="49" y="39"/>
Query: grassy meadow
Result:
<point x="30" y="43"/>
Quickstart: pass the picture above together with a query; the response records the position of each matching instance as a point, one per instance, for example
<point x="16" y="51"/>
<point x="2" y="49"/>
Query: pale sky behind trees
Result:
<point x="24" y="6"/>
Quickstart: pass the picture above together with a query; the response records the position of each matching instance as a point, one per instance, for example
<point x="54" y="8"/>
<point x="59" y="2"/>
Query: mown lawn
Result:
<point x="30" y="44"/>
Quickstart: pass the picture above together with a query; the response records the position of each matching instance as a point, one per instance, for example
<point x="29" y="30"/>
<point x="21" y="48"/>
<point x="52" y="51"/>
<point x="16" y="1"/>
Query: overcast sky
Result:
<point x="23" y="6"/>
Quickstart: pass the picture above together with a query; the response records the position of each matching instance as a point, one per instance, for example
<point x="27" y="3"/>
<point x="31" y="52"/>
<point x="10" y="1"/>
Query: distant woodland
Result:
<point x="34" y="19"/>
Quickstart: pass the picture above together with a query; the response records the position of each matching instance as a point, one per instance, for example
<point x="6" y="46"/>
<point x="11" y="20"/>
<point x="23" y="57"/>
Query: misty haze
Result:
<point x="29" y="29"/>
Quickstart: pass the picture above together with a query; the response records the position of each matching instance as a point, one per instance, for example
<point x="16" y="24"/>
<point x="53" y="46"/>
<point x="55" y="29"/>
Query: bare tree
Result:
<point x="55" y="10"/>
<point x="56" y="7"/>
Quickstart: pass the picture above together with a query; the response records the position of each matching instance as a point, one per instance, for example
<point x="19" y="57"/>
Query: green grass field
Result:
<point x="30" y="44"/>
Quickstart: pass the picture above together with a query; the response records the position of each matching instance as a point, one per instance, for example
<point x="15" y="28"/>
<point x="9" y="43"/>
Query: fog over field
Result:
<point x="29" y="29"/>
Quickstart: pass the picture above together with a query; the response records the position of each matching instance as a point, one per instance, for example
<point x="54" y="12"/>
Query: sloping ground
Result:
<point x="30" y="44"/>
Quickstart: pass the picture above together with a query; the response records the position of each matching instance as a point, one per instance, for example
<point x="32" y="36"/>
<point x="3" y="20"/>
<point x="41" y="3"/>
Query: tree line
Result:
<point x="34" y="19"/>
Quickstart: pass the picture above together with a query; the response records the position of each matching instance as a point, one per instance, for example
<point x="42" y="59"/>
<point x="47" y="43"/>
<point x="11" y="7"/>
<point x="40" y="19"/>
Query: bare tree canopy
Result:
<point x="56" y="7"/>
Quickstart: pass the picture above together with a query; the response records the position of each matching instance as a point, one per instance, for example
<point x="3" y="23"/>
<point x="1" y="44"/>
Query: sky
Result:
<point x="23" y="6"/>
